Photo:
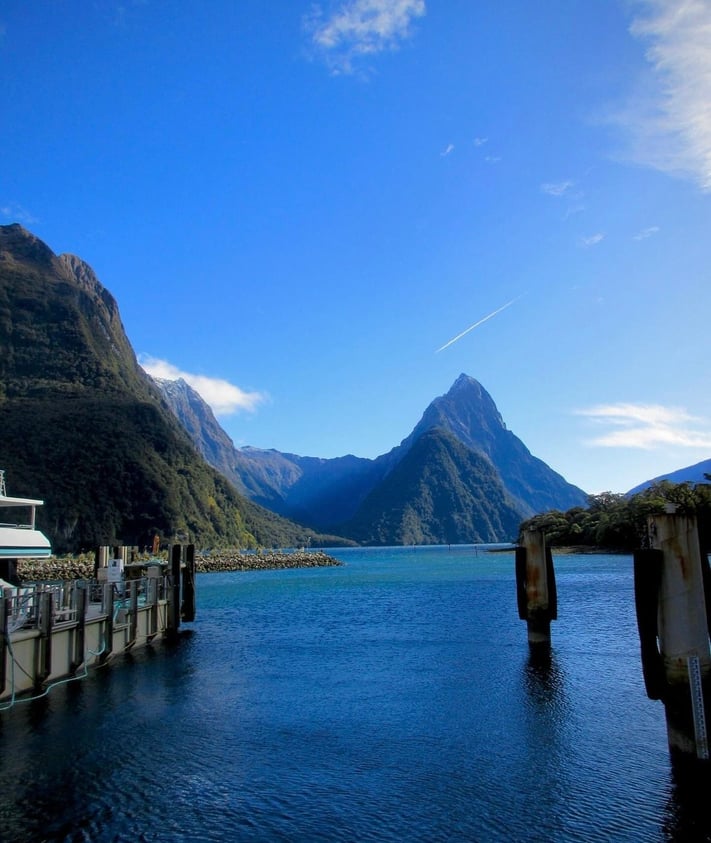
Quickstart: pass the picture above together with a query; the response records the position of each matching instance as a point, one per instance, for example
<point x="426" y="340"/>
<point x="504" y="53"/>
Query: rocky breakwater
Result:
<point x="268" y="560"/>
<point x="36" y="570"/>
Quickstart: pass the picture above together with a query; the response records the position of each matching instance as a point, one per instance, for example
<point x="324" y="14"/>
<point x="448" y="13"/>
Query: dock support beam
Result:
<point x="535" y="587"/>
<point x="133" y="623"/>
<point x="176" y="558"/>
<point x="5" y="611"/>
<point x="81" y="602"/>
<point x="45" y="637"/>
<point x="671" y="588"/>
<point x="187" y="607"/>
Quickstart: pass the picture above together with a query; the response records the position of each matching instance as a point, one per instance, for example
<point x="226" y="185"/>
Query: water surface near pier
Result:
<point x="392" y="699"/>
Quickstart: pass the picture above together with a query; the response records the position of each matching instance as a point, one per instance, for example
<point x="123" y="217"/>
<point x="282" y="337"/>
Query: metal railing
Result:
<point x="26" y="604"/>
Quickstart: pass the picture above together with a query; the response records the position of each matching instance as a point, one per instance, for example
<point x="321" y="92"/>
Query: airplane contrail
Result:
<point x="476" y="324"/>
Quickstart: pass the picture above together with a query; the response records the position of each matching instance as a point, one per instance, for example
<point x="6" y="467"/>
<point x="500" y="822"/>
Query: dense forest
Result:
<point x="615" y="521"/>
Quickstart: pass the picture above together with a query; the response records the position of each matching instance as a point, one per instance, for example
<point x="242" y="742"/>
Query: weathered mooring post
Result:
<point x="671" y="591"/>
<point x="174" y="591"/>
<point x="535" y="586"/>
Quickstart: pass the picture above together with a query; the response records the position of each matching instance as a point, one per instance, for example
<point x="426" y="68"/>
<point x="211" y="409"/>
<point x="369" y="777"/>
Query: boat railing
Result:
<point x="22" y="607"/>
<point x="27" y="606"/>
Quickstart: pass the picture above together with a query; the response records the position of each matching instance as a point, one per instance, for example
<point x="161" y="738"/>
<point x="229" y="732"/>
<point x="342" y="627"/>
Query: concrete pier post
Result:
<point x="536" y="588"/>
<point x="670" y="589"/>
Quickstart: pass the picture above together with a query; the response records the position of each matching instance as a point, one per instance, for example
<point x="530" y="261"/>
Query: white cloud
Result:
<point x="223" y="397"/>
<point x="480" y="141"/>
<point x="646" y="233"/>
<point x="448" y="150"/>
<point x="559" y="188"/>
<point x="357" y="28"/>
<point x="592" y="240"/>
<point x="669" y="124"/>
<point x="17" y="213"/>
<point x="645" y="426"/>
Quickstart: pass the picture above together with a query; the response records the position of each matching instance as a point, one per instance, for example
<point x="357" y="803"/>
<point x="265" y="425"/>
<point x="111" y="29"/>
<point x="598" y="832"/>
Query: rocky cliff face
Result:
<point x="84" y="427"/>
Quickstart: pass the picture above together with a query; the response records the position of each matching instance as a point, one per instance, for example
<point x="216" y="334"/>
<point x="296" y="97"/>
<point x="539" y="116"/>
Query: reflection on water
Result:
<point x="544" y="678"/>
<point x="688" y="809"/>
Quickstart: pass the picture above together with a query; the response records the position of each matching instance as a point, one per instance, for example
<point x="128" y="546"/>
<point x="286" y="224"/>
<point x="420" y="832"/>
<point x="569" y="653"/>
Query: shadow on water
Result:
<point x="543" y="677"/>
<point x="688" y="809"/>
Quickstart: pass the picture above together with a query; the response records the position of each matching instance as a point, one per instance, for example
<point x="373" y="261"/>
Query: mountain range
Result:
<point x="118" y="456"/>
<point x="459" y="476"/>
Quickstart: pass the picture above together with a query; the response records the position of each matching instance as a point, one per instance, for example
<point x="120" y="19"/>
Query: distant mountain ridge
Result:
<point x="87" y="430"/>
<point x="690" y="474"/>
<point x="400" y="496"/>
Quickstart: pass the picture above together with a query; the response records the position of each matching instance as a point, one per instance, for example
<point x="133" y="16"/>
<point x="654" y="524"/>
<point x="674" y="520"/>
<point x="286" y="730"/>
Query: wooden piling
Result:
<point x="536" y="589"/>
<point x="684" y="661"/>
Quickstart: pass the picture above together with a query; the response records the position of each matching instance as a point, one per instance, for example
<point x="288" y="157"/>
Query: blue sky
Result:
<point x="298" y="207"/>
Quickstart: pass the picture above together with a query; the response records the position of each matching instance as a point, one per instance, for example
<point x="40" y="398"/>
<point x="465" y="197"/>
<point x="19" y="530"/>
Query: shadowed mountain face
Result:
<point x="469" y="413"/>
<point x="459" y="458"/>
<point x="440" y="492"/>
<point x="85" y="429"/>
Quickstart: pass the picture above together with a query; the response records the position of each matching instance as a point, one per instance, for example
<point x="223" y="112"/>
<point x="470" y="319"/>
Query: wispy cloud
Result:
<point x="223" y="397"/>
<point x="646" y="233"/>
<point x="480" y="141"/>
<point x="557" y="188"/>
<point x="358" y="28"/>
<point x="592" y="240"/>
<point x="476" y="324"/>
<point x="568" y="190"/>
<point x="16" y="213"/>
<point x="669" y="123"/>
<point x="646" y="426"/>
<point x="449" y="149"/>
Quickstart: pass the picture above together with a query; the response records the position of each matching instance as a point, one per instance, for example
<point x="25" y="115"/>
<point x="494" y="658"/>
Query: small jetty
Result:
<point x="52" y="631"/>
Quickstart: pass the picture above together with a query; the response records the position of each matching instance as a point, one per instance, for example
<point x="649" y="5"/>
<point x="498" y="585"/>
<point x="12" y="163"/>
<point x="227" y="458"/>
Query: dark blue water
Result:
<point x="392" y="699"/>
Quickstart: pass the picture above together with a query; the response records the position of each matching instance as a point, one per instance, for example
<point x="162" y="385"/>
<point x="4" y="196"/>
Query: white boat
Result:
<point x="19" y="537"/>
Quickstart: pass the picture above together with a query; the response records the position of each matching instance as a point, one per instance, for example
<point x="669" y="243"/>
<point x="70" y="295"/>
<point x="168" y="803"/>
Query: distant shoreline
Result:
<point x="571" y="550"/>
